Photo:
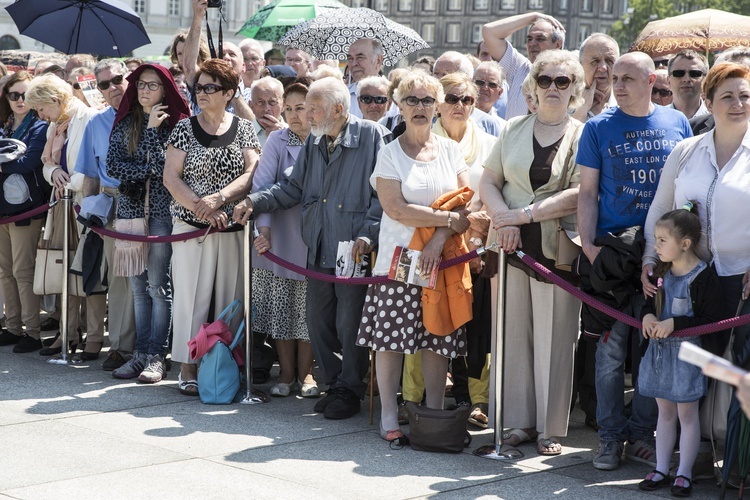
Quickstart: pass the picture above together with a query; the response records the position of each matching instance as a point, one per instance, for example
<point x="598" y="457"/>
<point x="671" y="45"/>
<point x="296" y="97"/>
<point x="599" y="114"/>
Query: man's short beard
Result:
<point x="322" y="128"/>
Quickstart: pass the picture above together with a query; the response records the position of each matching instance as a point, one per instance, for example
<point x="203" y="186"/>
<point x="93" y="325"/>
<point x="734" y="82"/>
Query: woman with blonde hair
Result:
<point x="530" y="183"/>
<point x="52" y="98"/>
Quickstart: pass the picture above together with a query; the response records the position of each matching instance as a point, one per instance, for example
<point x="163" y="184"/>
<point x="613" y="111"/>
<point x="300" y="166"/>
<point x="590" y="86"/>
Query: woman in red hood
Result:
<point x="150" y="109"/>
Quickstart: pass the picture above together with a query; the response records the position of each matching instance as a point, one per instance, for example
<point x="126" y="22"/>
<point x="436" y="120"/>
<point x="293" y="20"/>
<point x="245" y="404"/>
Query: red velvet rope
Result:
<point x="26" y="215"/>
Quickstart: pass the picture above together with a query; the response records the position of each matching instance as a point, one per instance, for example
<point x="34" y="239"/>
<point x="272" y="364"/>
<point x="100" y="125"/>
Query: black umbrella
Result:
<point x="100" y="27"/>
<point x="735" y="448"/>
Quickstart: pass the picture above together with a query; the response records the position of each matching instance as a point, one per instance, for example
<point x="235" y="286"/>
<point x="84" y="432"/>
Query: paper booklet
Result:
<point x="90" y="91"/>
<point x="345" y="264"/>
<point x="404" y="268"/>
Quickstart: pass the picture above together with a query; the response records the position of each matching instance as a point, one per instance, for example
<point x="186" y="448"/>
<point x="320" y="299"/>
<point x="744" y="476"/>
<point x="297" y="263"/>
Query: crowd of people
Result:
<point x="646" y="166"/>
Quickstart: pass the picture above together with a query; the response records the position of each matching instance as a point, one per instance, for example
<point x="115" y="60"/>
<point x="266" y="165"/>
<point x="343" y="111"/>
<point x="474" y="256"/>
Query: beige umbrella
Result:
<point x="707" y="30"/>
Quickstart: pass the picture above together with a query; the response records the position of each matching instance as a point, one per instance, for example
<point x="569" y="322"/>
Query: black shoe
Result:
<point x="346" y="405"/>
<point x="48" y="342"/>
<point x="331" y="395"/>
<point x="50" y="324"/>
<point x="682" y="491"/>
<point x="114" y="361"/>
<point x="651" y="482"/>
<point x="7" y="338"/>
<point x="27" y="344"/>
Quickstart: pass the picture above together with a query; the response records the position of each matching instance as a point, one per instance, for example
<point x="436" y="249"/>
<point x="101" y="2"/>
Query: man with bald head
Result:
<point x="252" y="55"/>
<point x="620" y="155"/>
<point x="364" y="58"/>
<point x="597" y="55"/>
<point x="545" y="32"/>
<point x="266" y="102"/>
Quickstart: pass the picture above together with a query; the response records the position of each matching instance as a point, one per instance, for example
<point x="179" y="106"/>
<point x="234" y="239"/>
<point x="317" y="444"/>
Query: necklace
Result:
<point x="540" y="122"/>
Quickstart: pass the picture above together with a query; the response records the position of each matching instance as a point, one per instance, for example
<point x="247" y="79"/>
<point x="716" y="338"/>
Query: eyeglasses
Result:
<point x="427" y="102"/>
<point x="561" y="82"/>
<point x="482" y="83"/>
<point x="14" y="96"/>
<point x="466" y="100"/>
<point x="152" y="86"/>
<point x="694" y="73"/>
<point x="254" y="60"/>
<point x="297" y="60"/>
<point x="661" y="92"/>
<point x="209" y="88"/>
<point x="369" y="99"/>
<point x="104" y="84"/>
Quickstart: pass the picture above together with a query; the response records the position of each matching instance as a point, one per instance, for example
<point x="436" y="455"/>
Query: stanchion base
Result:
<point x="495" y="452"/>
<point x="70" y="360"/>
<point x="255" y="397"/>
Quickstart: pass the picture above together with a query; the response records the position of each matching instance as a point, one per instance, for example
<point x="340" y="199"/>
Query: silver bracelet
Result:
<point x="527" y="211"/>
<point x="449" y="220"/>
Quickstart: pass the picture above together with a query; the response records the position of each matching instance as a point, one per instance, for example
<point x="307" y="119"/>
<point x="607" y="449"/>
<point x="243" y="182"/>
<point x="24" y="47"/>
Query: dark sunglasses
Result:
<point x="209" y="88"/>
<point x="661" y="92"/>
<point x="561" y="82"/>
<point x="104" y="84"/>
<point x="426" y="101"/>
<point x="694" y="73"/>
<point x="466" y="100"/>
<point x="14" y="96"/>
<point x="369" y="99"/>
<point x="482" y="83"/>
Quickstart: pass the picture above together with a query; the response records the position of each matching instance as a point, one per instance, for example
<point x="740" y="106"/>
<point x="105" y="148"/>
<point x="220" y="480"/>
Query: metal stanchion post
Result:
<point x="498" y="451"/>
<point x="252" y="396"/>
<point x="63" y="359"/>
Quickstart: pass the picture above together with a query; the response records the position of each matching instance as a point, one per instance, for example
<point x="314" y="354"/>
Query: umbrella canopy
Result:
<point x="100" y="27"/>
<point x="707" y="30"/>
<point x="329" y="35"/>
<point x="272" y="21"/>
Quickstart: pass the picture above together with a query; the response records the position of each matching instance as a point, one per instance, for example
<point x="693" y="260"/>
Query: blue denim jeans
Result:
<point x="610" y="385"/>
<point x="152" y="293"/>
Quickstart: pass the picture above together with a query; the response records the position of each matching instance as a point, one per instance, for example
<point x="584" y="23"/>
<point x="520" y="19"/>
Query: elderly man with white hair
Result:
<point x="331" y="181"/>
<point x="488" y="77"/>
<point x="372" y="97"/>
<point x="364" y="58"/>
<point x="453" y="62"/>
<point x="252" y="56"/>
<point x="266" y="102"/>
<point x="299" y="60"/>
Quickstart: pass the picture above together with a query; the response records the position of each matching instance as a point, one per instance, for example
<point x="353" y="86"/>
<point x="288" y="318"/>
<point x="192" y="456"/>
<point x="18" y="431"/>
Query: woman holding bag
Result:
<point x="530" y="182"/>
<point x="22" y="189"/>
<point x="150" y="109"/>
<point x="52" y="98"/>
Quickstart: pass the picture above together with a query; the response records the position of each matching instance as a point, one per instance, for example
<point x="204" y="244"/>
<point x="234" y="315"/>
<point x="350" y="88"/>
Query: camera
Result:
<point x="133" y="189"/>
<point x="214" y="4"/>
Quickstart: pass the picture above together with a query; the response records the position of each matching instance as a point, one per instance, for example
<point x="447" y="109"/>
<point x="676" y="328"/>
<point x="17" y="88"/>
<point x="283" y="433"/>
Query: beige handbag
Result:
<point x="48" y="270"/>
<point x="129" y="258"/>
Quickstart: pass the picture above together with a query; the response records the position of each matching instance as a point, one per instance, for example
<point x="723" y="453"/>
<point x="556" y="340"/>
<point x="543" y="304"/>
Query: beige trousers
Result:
<point x="541" y="328"/>
<point x="17" y="262"/>
<point x="201" y="271"/>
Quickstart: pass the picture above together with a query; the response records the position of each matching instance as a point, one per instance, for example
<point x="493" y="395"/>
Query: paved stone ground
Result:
<point x="75" y="432"/>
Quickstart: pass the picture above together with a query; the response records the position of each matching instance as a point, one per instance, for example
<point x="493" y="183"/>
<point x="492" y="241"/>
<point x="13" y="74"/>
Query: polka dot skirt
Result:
<point x="392" y="321"/>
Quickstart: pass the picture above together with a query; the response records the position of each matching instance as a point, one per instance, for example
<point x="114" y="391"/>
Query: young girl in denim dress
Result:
<point x="688" y="295"/>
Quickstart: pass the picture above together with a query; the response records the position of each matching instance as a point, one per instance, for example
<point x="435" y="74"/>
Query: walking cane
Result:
<point x="252" y="396"/>
<point x="63" y="359"/>
<point x="498" y="451"/>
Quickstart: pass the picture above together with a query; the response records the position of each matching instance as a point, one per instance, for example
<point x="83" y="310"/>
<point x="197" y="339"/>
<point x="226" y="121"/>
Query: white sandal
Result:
<point x="184" y="385"/>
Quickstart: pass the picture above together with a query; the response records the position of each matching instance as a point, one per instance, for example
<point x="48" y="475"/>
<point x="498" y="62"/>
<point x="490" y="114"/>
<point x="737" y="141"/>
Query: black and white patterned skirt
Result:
<point x="280" y="306"/>
<point x="392" y="321"/>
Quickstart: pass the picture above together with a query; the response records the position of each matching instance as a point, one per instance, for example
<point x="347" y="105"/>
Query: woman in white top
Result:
<point x="713" y="169"/>
<point x="410" y="174"/>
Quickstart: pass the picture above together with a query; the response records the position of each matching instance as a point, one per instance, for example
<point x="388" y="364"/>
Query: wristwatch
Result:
<point x="223" y="198"/>
<point x="237" y="94"/>
<point x="477" y="242"/>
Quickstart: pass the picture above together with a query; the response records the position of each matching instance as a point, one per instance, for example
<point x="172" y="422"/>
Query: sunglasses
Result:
<point x="482" y="83"/>
<point x="152" y="86"/>
<point x="104" y="84"/>
<point x="694" y="73"/>
<point x="209" y="88"/>
<point x="661" y="92"/>
<point x="466" y="100"/>
<point x="76" y="85"/>
<point x="14" y="96"/>
<point x="427" y="102"/>
<point x="561" y="82"/>
<point x="369" y="99"/>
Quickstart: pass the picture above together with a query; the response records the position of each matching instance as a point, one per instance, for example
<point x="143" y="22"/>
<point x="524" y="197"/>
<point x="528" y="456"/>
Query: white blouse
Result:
<point x="421" y="184"/>
<point x="723" y="196"/>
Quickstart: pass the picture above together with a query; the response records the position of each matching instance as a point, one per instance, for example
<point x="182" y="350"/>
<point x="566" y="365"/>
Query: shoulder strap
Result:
<point x="686" y="153"/>
<point x="564" y="175"/>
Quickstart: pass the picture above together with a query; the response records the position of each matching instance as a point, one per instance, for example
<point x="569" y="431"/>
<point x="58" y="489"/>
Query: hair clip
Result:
<point x="688" y="206"/>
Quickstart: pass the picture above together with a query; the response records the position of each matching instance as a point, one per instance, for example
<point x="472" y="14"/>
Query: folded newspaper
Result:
<point x="405" y="268"/>
<point x="347" y="266"/>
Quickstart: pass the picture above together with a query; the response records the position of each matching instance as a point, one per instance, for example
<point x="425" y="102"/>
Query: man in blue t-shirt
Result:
<point x="621" y="154"/>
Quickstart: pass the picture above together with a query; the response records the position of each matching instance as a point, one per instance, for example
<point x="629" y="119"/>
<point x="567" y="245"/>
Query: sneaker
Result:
<point x="114" y="360"/>
<point x="155" y="370"/>
<point x="331" y="395"/>
<point x="50" y="324"/>
<point x="7" y="338"/>
<point x="346" y="405"/>
<point x="132" y="368"/>
<point x="27" y="344"/>
<point x="641" y="450"/>
<point x="608" y="455"/>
